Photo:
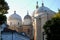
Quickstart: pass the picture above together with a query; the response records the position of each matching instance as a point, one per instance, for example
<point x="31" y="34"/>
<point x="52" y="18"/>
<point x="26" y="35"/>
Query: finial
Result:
<point x="14" y="12"/>
<point x="42" y="3"/>
<point x="37" y="2"/>
<point x="37" y="5"/>
<point x="27" y="13"/>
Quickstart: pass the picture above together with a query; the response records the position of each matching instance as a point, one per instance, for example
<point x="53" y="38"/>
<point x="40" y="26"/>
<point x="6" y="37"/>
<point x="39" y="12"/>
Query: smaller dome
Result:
<point x="14" y="17"/>
<point x="27" y="19"/>
<point x="27" y="16"/>
<point x="14" y="20"/>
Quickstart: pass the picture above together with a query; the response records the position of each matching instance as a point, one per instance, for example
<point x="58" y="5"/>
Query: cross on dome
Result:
<point x="27" y="13"/>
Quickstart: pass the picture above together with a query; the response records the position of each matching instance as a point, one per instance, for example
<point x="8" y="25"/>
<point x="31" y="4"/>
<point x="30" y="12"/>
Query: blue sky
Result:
<point x="21" y="6"/>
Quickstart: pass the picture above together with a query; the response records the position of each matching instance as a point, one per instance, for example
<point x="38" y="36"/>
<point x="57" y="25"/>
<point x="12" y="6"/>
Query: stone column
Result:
<point x="35" y="30"/>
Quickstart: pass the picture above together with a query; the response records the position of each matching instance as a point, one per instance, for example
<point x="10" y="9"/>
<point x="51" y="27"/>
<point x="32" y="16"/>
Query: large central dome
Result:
<point x="42" y="10"/>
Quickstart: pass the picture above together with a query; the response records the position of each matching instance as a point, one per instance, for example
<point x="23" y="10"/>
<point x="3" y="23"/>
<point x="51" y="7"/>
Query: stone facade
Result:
<point x="32" y="26"/>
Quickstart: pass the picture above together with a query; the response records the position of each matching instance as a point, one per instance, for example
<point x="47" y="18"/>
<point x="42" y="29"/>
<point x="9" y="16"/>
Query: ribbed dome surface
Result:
<point x="27" y="17"/>
<point x="15" y="20"/>
<point x="42" y="9"/>
<point x="14" y="17"/>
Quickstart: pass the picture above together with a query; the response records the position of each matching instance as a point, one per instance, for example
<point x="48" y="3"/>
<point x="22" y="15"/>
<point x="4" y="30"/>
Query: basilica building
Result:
<point x="32" y="26"/>
<point x="15" y="23"/>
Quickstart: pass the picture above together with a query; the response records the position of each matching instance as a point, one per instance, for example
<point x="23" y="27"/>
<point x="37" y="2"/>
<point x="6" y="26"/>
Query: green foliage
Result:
<point x="3" y="6"/>
<point x="2" y="19"/>
<point x="52" y="28"/>
<point x="57" y="14"/>
<point x="3" y="10"/>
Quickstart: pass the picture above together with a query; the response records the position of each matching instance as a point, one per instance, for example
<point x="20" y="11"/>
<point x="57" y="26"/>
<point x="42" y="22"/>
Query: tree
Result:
<point x="52" y="27"/>
<point x="3" y="10"/>
<point x="3" y="7"/>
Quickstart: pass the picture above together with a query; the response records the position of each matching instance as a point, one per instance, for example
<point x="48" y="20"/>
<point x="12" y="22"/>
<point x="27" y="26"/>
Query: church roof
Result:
<point x="27" y="16"/>
<point x="42" y="9"/>
<point x="6" y="30"/>
<point x="14" y="17"/>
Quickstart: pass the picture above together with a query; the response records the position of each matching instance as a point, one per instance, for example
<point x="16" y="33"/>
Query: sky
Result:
<point x="22" y="6"/>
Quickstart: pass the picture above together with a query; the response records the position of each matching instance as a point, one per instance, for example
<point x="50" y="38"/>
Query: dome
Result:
<point x="14" y="20"/>
<point x="27" y="16"/>
<point x="42" y="10"/>
<point x="27" y="19"/>
<point x="14" y="17"/>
